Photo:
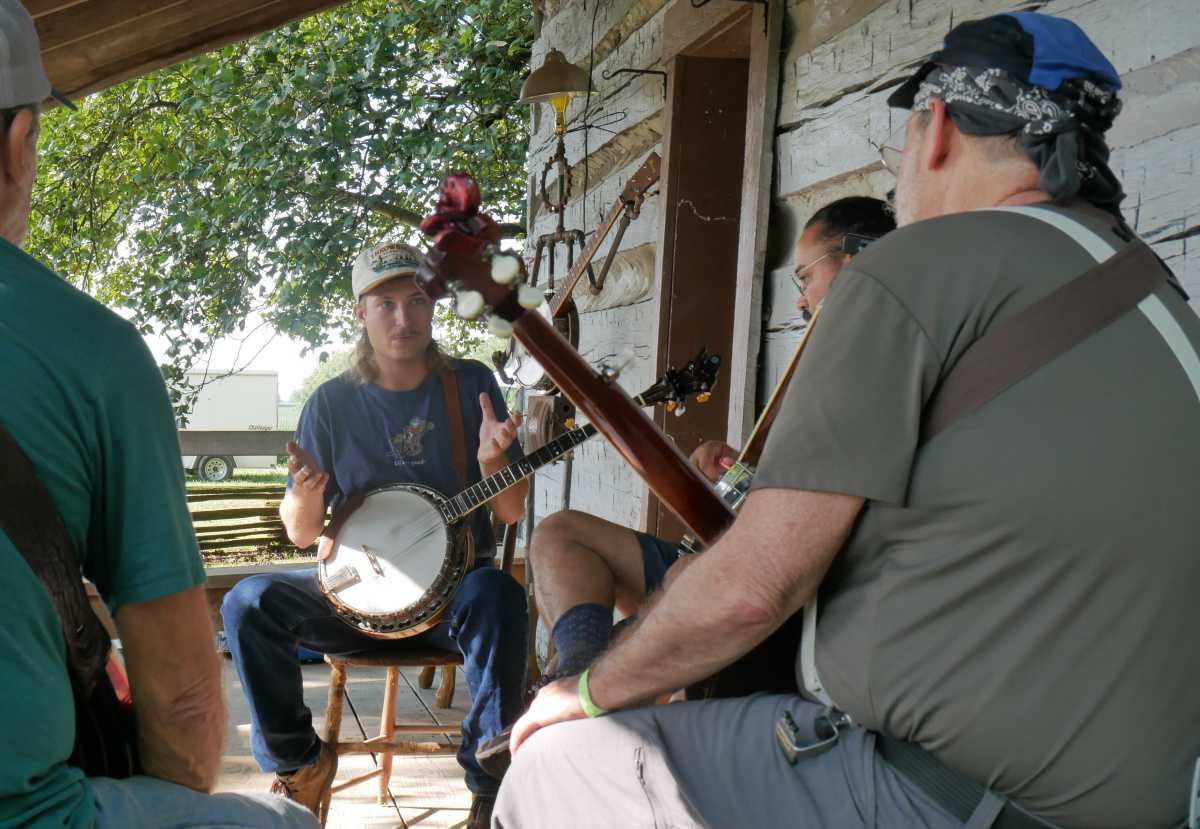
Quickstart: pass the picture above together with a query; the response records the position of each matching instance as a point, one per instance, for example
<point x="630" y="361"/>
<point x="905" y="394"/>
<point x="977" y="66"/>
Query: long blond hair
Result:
<point x="365" y="370"/>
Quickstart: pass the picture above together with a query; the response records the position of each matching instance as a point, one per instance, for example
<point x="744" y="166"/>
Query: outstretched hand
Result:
<point x="307" y="477"/>
<point x="495" y="436"/>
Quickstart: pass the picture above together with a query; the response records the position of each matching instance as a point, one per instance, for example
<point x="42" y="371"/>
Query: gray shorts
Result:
<point x="705" y="764"/>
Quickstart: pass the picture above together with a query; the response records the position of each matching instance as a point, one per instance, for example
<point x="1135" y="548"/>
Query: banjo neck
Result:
<point x="474" y="496"/>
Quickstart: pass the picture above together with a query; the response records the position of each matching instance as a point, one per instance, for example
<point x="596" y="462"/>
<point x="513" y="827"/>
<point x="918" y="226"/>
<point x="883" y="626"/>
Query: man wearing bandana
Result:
<point x="1000" y="606"/>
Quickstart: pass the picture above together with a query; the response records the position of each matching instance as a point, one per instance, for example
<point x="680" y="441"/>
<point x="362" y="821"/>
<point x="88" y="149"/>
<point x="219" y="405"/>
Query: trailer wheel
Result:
<point x="214" y="468"/>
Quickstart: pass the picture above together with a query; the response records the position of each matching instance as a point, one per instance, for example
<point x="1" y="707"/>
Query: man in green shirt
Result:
<point x="82" y="397"/>
<point x="1007" y="619"/>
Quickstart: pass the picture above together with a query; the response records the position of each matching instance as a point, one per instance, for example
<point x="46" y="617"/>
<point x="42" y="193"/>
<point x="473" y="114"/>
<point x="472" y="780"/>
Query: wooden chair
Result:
<point x="386" y="745"/>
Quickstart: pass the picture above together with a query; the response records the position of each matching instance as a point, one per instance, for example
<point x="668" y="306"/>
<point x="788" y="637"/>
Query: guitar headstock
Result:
<point x="676" y="386"/>
<point x="466" y="262"/>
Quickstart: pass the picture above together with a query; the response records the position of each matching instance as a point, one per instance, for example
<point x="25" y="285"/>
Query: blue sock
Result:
<point x="580" y="635"/>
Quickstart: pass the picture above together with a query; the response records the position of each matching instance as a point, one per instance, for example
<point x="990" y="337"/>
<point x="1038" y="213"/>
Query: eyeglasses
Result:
<point x="892" y="147"/>
<point x="803" y="275"/>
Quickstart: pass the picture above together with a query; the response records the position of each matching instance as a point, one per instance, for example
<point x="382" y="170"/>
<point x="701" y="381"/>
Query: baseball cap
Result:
<point x="1037" y="49"/>
<point x="22" y="78"/>
<point x="378" y="264"/>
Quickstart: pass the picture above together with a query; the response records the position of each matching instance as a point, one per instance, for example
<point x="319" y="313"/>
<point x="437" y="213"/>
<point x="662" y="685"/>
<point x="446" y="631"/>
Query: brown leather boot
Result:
<point x="480" y="816"/>
<point x="307" y="786"/>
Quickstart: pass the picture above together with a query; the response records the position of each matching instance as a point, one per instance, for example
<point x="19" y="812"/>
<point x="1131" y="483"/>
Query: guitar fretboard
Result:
<point x="473" y="496"/>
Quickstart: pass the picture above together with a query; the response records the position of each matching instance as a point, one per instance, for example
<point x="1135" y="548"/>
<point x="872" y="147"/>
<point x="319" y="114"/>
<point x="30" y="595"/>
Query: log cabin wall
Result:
<point x="628" y="33"/>
<point x="839" y="61"/>
<point x="843" y="57"/>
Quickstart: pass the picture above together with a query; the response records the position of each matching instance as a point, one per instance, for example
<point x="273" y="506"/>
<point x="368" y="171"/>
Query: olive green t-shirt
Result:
<point x="1021" y="596"/>
<point x="82" y="396"/>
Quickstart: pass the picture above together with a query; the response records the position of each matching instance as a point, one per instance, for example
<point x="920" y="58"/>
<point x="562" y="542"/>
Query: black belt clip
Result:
<point x="827" y="726"/>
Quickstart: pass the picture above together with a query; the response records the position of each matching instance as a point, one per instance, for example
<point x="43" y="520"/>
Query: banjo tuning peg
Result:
<point x="499" y="326"/>
<point x="468" y="304"/>
<point x="529" y="297"/>
<point x="505" y="268"/>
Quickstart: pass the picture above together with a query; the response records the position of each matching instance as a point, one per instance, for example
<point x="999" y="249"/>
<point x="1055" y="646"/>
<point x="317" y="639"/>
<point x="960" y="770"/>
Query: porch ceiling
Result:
<point x="88" y="45"/>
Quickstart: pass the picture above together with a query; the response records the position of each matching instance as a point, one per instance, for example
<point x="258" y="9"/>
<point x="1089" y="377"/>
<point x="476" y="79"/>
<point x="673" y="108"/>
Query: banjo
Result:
<point x="391" y="559"/>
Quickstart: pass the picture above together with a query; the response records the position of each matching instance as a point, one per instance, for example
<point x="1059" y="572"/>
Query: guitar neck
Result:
<point x="477" y="494"/>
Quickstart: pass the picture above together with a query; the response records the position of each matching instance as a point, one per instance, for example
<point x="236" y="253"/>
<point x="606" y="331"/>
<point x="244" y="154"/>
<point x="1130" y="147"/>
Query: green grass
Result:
<point x="245" y="478"/>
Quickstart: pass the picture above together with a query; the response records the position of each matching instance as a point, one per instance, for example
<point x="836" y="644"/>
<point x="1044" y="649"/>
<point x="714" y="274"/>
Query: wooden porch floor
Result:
<point x="429" y="791"/>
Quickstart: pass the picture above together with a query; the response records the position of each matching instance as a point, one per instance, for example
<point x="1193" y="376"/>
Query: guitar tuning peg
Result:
<point x="671" y="404"/>
<point x="499" y="327"/>
<point x="570" y="423"/>
<point x="703" y="397"/>
<point x="680" y="409"/>
<point x="505" y="268"/>
<point x="468" y="304"/>
<point x="529" y="297"/>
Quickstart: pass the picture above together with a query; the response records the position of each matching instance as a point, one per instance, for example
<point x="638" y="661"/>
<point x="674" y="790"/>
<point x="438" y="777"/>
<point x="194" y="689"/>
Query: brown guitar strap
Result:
<point x="1053" y="325"/>
<point x="458" y="437"/>
<point x="30" y="519"/>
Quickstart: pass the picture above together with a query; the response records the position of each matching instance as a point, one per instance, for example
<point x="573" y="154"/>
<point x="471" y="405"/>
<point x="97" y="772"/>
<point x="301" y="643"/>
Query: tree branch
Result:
<point x="396" y="213"/>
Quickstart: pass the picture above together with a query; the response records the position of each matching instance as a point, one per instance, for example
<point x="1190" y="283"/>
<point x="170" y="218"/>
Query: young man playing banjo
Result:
<point x="386" y="422"/>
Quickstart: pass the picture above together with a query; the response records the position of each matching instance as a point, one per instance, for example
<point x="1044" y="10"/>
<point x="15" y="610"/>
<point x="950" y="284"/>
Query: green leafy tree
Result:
<point x="246" y="180"/>
<point x="333" y="365"/>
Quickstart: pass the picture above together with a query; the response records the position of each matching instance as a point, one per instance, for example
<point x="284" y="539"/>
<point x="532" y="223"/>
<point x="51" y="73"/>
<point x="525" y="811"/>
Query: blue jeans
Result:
<point x="150" y="803"/>
<point x="267" y="616"/>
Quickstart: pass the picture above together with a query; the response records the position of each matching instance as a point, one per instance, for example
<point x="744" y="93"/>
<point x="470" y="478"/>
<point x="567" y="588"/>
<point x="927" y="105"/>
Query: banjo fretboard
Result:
<point x="471" y="498"/>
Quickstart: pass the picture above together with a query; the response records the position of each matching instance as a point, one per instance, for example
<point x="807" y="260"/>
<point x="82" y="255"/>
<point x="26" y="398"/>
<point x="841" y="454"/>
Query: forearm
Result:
<point x="509" y="505"/>
<point x="175" y="677"/>
<point x="734" y="595"/>
<point x="303" y="516"/>
<point x="705" y="620"/>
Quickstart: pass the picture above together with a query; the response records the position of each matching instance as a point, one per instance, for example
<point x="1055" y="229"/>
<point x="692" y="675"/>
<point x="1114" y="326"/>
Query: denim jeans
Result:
<point x="267" y="616"/>
<point x="150" y="803"/>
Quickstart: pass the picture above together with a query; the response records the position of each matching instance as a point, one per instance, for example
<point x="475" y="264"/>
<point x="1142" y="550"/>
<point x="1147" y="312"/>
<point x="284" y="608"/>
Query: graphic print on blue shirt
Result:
<point x="368" y="437"/>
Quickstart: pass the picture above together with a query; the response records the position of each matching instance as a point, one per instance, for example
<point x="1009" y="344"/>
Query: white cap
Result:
<point x="22" y="78"/>
<point x="377" y="265"/>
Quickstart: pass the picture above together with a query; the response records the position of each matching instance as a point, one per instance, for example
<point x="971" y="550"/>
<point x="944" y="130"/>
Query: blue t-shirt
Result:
<point x="81" y="395"/>
<point x="368" y="437"/>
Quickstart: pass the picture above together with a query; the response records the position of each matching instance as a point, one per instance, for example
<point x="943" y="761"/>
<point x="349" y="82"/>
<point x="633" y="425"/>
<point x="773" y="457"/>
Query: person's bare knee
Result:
<point x="562" y="532"/>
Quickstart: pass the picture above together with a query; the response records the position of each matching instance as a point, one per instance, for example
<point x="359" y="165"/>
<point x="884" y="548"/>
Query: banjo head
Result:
<point x="528" y="372"/>
<point x="395" y="563"/>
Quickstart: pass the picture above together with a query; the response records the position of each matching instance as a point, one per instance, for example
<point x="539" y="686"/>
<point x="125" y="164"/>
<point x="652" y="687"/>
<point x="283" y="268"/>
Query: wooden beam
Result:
<point x="202" y="442"/>
<point x="67" y="26"/>
<point x="762" y="98"/>
<point x="40" y="8"/>
<point x="692" y="31"/>
<point x="154" y="43"/>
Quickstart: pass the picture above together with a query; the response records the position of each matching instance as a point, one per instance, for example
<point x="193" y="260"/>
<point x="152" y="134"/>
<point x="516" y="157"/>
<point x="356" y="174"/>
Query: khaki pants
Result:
<point x="704" y="764"/>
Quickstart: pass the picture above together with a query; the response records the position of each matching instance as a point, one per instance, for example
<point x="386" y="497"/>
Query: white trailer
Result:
<point x="244" y="401"/>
